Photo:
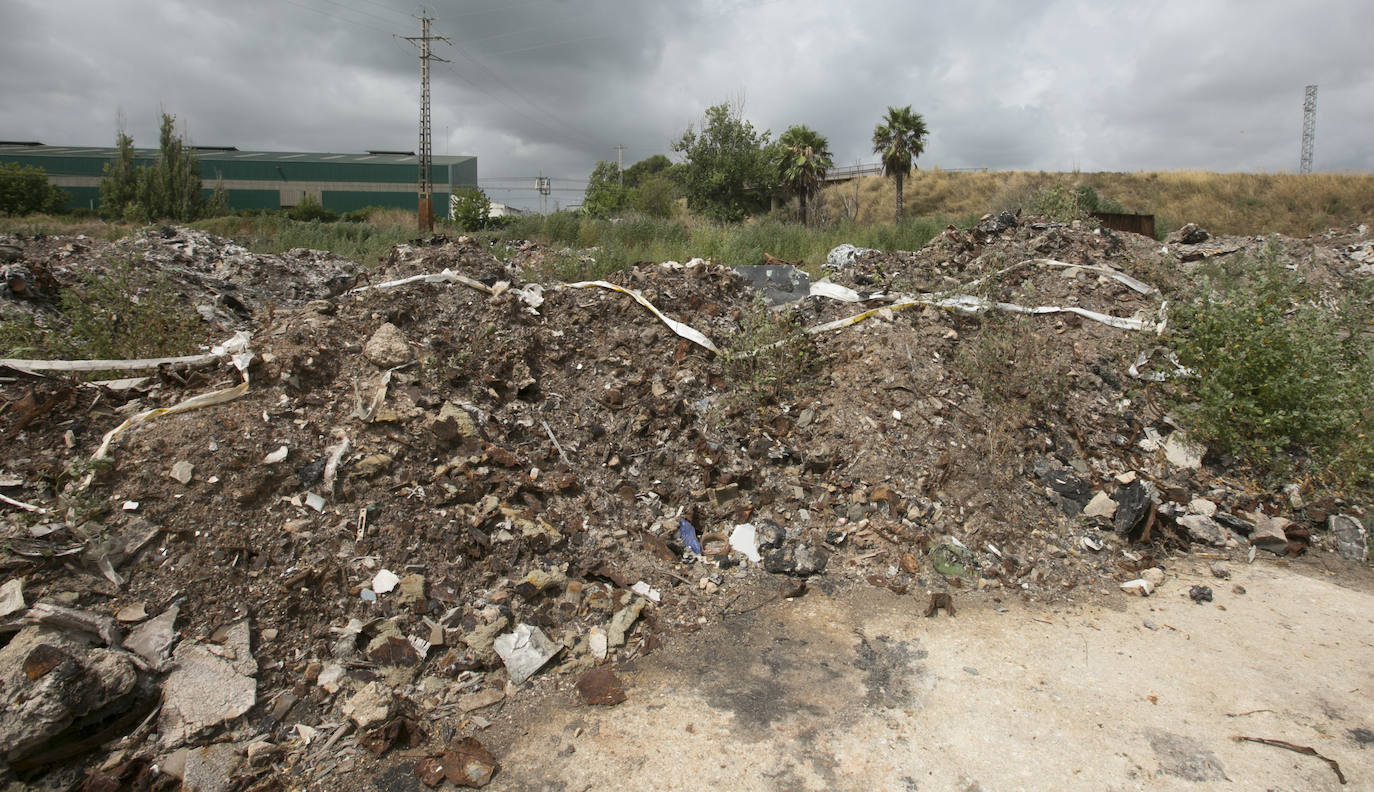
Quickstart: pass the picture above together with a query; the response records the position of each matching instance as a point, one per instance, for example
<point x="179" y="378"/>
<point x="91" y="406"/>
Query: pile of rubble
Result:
<point x="417" y="491"/>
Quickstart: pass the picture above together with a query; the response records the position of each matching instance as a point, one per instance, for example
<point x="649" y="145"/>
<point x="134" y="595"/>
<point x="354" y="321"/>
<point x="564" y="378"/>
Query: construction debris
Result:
<point x="430" y="478"/>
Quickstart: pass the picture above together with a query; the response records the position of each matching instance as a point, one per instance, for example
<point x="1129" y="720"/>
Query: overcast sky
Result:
<point x="552" y="86"/>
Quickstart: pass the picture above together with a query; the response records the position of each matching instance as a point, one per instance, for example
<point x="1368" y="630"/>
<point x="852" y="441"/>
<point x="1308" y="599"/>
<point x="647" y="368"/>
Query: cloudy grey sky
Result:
<point x="552" y="86"/>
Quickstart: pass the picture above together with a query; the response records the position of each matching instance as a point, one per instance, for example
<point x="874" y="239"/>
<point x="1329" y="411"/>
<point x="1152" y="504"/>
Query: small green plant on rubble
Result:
<point x="769" y="360"/>
<point x="126" y="313"/>
<point x="1279" y="380"/>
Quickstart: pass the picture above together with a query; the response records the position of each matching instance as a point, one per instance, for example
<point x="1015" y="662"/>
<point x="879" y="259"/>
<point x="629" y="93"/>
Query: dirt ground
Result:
<point x="855" y="690"/>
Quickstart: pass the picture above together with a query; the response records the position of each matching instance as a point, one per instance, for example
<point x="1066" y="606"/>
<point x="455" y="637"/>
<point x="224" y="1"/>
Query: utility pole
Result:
<point x="1309" y="128"/>
<point x="619" y="163"/>
<point x="425" y="187"/>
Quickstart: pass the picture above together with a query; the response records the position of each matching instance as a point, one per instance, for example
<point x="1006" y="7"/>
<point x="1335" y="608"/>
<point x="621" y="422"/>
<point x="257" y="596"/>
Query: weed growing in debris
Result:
<point x="123" y="313"/>
<point x="638" y="238"/>
<point x="1023" y="378"/>
<point x="364" y="243"/>
<point x="1277" y="380"/>
<point x="769" y="360"/>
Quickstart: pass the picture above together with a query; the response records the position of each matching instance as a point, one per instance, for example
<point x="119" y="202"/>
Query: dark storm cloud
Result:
<point x="552" y="86"/>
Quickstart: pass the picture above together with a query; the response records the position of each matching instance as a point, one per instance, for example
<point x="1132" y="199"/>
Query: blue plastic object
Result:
<point x="688" y="534"/>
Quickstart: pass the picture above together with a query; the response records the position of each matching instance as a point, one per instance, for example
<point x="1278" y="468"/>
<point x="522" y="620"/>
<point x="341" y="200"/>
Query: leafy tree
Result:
<point x="729" y="166"/>
<point x="655" y="195"/>
<point x="471" y="208"/>
<point x="899" y="139"/>
<point x="638" y="173"/>
<point x="119" y="189"/>
<point x="170" y="188"/>
<point x="803" y="159"/>
<point x="604" y="196"/>
<point x="25" y="190"/>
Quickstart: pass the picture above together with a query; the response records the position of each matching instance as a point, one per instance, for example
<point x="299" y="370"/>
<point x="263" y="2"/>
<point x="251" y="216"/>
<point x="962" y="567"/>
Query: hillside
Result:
<point x="1225" y="203"/>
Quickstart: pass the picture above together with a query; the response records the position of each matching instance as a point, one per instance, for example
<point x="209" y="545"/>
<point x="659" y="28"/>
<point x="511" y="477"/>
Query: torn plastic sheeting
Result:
<point x="236" y="349"/>
<point x="1117" y="275"/>
<point x="1157" y="376"/>
<point x="447" y="276"/>
<point x="835" y="291"/>
<point x="965" y="303"/>
<point x="686" y="331"/>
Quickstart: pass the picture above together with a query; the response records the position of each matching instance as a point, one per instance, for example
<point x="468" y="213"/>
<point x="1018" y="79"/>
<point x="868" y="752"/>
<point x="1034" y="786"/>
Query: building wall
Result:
<point x="269" y="180"/>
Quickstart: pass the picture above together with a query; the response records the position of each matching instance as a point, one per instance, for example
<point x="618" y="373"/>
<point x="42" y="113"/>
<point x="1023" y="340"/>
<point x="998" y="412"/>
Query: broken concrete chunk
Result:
<point x="1181" y="452"/>
<point x="182" y="472"/>
<point x="209" y="685"/>
<point x="525" y="651"/>
<point x="210" y="769"/>
<point x="622" y="621"/>
<point x="597" y="643"/>
<point x="1154" y="576"/>
<point x="330" y="677"/>
<point x="369" y="466"/>
<point x="1204" y="529"/>
<point x="1202" y="506"/>
<point x="1269" y="534"/>
<point x="1350" y="536"/>
<point x="412" y="589"/>
<point x="132" y="613"/>
<point x="152" y="639"/>
<point x="388" y="347"/>
<point x="369" y="706"/>
<point x="12" y="597"/>
<point x="1101" y="505"/>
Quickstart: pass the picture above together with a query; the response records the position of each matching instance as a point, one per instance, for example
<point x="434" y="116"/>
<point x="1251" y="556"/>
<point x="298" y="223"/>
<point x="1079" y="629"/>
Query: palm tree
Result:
<point x="899" y="139"/>
<point x="803" y="159"/>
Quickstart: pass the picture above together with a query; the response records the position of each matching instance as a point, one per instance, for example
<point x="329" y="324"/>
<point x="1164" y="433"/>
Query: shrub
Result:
<point x="123" y="313"/>
<point x="470" y="207"/>
<point x="25" y="190"/>
<point x="309" y="210"/>
<point x="1277" y="380"/>
<point x="769" y="360"/>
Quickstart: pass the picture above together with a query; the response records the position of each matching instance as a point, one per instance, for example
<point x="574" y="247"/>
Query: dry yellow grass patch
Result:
<point x="1225" y="203"/>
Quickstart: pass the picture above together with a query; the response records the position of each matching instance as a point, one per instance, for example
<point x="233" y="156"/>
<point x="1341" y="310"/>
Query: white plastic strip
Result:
<point x="686" y="331"/>
<point x="236" y="349"/>
<point x="140" y="364"/>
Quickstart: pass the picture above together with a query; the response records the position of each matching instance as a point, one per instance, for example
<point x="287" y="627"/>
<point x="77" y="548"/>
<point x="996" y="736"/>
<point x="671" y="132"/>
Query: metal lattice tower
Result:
<point x="1309" y="128"/>
<point x="425" y="205"/>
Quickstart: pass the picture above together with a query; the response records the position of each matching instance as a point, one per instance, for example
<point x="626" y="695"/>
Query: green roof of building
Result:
<point x="227" y="154"/>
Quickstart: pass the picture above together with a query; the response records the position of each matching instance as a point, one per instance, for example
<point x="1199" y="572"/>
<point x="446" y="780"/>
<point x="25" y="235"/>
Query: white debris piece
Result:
<point x="384" y="581"/>
<point x="276" y="456"/>
<point x="744" y="540"/>
<point x="524" y="651"/>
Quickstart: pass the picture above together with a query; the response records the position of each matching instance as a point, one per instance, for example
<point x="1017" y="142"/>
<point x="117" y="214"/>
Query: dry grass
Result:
<point x="1224" y="203"/>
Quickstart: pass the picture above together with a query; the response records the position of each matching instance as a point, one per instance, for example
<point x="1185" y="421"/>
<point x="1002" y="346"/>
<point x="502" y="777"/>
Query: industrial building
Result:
<point x="264" y="179"/>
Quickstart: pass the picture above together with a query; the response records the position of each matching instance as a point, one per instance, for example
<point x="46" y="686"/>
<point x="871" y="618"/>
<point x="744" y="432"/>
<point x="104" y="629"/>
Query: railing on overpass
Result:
<point x="847" y="172"/>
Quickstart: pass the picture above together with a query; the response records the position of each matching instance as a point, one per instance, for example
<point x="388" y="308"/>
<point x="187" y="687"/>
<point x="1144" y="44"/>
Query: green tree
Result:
<point x="899" y="139"/>
<point x="604" y="196"/>
<point x="169" y="189"/>
<point x="25" y="190"/>
<point x="119" y="187"/>
<point x="655" y="195"/>
<point x="470" y="207"/>
<point x="636" y="174"/>
<point x="803" y="159"/>
<point x="729" y="169"/>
